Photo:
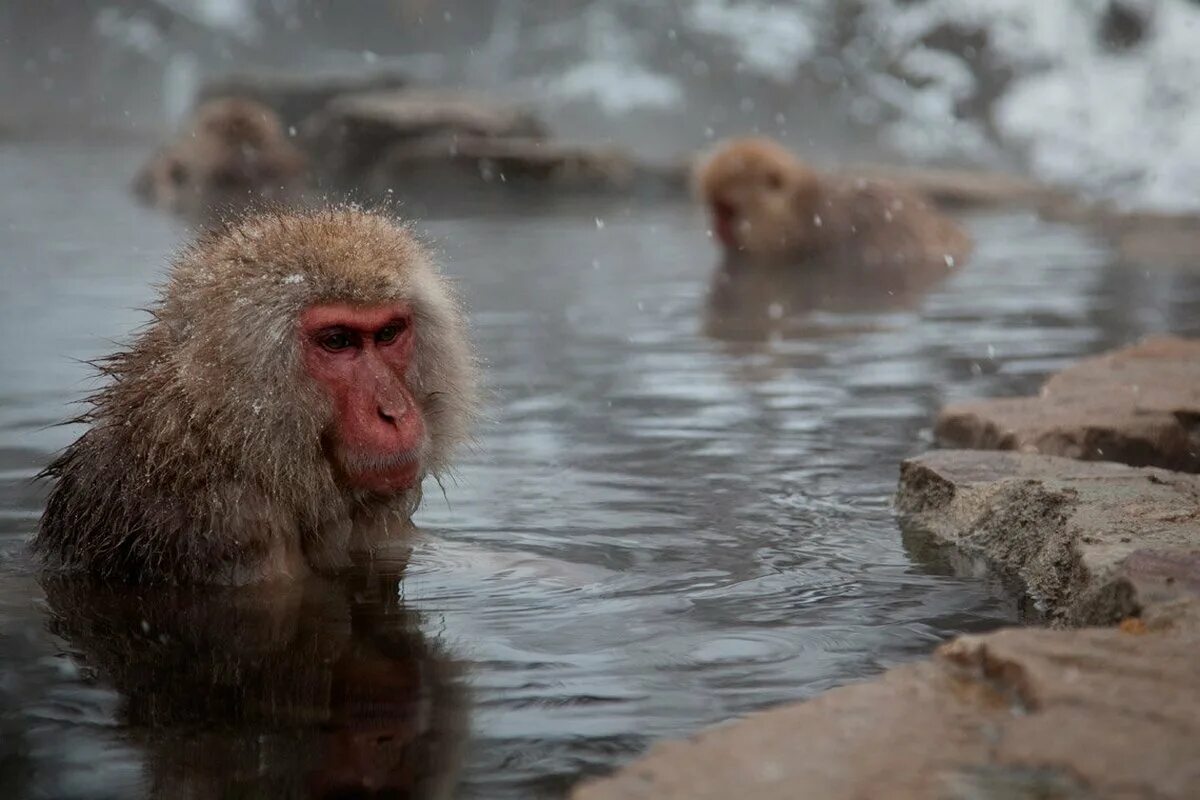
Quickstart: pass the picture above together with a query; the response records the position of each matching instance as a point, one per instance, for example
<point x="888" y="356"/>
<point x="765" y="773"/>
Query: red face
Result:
<point x="360" y="355"/>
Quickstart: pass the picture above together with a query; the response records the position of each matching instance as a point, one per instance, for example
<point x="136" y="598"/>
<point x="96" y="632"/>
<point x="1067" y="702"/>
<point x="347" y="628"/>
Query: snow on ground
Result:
<point x="1118" y="122"/>
<point x="770" y="38"/>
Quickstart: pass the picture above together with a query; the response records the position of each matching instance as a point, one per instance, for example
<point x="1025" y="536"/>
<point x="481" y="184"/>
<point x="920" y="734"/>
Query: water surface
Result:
<point x="670" y="519"/>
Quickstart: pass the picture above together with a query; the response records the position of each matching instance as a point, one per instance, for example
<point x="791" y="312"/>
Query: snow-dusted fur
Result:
<point x="206" y="457"/>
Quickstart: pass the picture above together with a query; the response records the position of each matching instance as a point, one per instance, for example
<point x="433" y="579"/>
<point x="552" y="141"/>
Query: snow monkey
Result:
<point x="300" y="375"/>
<point x="767" y="205"/>
<point x="233" y="151"/>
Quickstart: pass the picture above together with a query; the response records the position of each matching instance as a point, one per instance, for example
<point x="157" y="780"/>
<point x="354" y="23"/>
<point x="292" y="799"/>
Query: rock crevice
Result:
<point x="986" y="717"/>
<point x="1093" y="542"/>
<point x="1139" y="405"/>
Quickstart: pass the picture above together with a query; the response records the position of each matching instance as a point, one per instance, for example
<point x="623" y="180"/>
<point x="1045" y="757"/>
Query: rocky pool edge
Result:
<point x="1110" y="553"/>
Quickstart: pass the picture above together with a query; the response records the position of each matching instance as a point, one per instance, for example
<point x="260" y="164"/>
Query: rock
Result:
<point x="466" y="162"/>
<point x="1139" y="238"/>
<point x="1095" y="714"/>
<point x="1093" y="542"/>
<point x="1139" y="405"/>
<point x="297" y="96"/>
<point x="1167" y="240"/>
<point x="958" y="188"/>
<point x="354" y="132"/>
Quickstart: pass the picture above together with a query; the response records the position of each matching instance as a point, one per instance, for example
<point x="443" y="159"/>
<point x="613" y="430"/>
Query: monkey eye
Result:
<point x="389" y="332"/>
<point x="177" y="173"/>
<point x="335" y="340"/>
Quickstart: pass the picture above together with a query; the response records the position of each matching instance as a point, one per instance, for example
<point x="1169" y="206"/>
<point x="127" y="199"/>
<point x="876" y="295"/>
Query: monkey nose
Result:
<point x="386" y="415"/>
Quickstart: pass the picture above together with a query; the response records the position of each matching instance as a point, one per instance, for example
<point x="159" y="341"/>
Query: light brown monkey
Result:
<point x="300" y="376"/>
<point x="232" y="151"/>
<point x="767" y="205"/>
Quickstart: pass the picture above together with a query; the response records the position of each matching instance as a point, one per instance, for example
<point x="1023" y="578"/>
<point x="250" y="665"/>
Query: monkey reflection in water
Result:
<point x="795" y="240"/>
<point x="297" y="689"/>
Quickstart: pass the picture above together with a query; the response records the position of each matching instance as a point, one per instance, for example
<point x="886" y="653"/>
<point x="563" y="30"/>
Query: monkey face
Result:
<point x="360" y="356"/>
<point x="759" y="197"/>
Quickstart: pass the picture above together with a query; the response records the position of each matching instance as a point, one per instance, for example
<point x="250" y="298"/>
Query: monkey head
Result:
<point x="302" y="373"/>
<point x="761" y="199"/>
<point x="331" y="330"/>
<point x="238" y="122"/>
<point x="166" y="180"/>
<point x="231" y="151"/>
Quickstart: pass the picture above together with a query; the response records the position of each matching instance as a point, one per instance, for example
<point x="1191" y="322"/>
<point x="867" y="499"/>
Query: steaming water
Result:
<point x="659" y="529"/>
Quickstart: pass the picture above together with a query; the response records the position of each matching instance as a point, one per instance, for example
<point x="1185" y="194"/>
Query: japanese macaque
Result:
<point x="767" y="205"/>
<point x="300" y="375"/>
<point x="233" y="151"/>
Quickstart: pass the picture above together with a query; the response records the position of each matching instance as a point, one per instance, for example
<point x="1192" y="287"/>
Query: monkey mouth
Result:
<point x="383" y="472"/>
<point x="724" y="218"/>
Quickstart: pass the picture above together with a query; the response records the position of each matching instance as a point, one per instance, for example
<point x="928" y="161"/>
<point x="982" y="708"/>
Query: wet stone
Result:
<point x="297" y="96"/>
<point x="982" y="719"/>
<point x="1165" y="240"/>
<point x="471" y="162"/>
<point x="356" y="131"/>
<point x="1139" y="405"/>
<point x="1093" y="542"/>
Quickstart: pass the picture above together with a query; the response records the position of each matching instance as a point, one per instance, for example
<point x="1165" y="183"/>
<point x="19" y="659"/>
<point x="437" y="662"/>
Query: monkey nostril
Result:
<point x="385" y="416"/>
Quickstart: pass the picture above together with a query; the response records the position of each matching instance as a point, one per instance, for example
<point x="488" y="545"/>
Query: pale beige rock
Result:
<point x="1164" y="240"/>
<point x="1093" y="542"/>
<point x="1143" y="239"/>
<point x="355" y="131"/>
<point x="1094" y="714"/>
<point x="1139" y="405"/>
<point x="468" y="162"/>
<point x="295" y="96"/>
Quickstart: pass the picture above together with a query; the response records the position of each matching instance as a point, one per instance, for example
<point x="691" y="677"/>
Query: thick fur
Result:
<point x="786" y="211"/>
<point x="205" y="461"/>
<point x="232" y="151"/>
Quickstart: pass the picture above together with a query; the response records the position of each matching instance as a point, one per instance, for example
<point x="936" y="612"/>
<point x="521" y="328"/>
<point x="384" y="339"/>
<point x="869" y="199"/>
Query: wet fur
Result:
<point x="205" y="460"/>
<point x="790" y="212"/>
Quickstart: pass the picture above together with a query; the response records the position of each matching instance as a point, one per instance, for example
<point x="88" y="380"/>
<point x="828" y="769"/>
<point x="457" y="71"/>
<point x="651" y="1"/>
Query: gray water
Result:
<point x="669" y="519"/>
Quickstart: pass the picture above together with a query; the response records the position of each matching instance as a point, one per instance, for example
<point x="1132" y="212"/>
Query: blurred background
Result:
<point x="668" y="521"/>
<point x="1096" y="94"/>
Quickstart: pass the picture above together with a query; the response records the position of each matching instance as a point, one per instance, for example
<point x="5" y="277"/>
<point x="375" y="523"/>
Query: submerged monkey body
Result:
<point x="218" y="451"/>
